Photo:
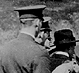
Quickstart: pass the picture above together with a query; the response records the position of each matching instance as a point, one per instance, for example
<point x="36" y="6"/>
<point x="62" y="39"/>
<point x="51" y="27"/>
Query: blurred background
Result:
<point x="64" y="14"/>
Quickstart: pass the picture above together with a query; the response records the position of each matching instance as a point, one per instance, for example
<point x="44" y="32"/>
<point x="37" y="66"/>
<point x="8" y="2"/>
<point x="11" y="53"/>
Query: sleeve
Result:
<point x="42" y="65"/>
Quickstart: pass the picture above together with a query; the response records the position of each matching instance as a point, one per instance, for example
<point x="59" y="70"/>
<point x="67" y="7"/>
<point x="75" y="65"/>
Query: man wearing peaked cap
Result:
<point x="23" y="54"/>
<point x="65" y="44"/>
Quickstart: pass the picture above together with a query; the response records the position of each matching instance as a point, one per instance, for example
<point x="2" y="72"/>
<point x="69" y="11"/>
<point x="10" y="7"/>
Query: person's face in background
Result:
<point x="38" y="23"/>
<point x="45" y="36"/>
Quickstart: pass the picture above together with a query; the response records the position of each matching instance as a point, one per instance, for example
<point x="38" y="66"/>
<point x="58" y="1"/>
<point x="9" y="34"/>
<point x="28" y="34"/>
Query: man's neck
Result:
<point x="28" y="31"/>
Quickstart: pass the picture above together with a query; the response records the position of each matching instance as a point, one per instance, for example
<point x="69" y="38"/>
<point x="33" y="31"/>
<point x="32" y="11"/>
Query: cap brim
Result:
<point x="47" y="29"/>
<point x="64" y="43"/>
<point x="74" y="41"/>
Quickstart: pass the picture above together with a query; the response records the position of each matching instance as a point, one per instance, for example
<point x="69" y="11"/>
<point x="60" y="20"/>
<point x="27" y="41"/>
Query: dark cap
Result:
<point x="34" y="11"/>
<point x="64" y="36"/>
<point x="45" y="25"/>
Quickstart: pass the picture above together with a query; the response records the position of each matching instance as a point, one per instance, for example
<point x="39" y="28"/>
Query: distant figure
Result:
<point x="44" y="34"/>
<point x="23" y="54"/>
<point x="65" y="44"/>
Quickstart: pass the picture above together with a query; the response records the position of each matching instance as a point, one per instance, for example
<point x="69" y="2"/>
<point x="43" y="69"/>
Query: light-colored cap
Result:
<point x="46" y="19"/>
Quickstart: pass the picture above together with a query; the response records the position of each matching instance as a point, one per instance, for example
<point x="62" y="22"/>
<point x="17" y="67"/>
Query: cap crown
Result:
<point x="31" y="11"/>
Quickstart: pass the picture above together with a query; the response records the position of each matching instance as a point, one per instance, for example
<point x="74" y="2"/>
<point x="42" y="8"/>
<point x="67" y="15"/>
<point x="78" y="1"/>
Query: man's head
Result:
<point x="65" y="41"/>
<point x="45" y="27"/>
<point x="64" y="38"/>
<point x="30" y="18"/>
<point x="44" y="31"/>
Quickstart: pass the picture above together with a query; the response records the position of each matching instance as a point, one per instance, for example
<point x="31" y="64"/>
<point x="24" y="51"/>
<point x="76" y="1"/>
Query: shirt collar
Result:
<point x="62" y="53"/>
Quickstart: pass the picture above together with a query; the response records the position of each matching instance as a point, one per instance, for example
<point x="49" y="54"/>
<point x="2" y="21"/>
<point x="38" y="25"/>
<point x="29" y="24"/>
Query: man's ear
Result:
<point x="36" y="22"/>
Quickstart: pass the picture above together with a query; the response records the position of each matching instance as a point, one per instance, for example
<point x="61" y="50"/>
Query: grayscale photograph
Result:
<point x="39" y="36"/>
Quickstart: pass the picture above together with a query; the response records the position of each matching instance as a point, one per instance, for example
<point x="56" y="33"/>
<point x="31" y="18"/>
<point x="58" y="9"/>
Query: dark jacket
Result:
<point x="23" y="55"/>
<point x="58" y="59"/>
